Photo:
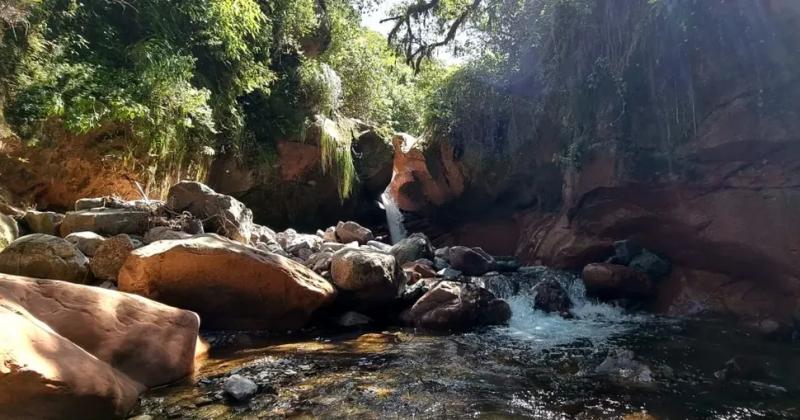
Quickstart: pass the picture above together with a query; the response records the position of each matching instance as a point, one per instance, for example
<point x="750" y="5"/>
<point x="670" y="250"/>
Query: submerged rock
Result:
<point x="45" y="257"/>
<point x="368" y="277"/>
<point x="451" y="306"/>
<point x="470" y="261"/>
<point x="221" y="213"/>
<point x="347" y="232"/>
<point x="621" y="365"/>
<point x="240" y="388"/>
<point x="230" y="285"/>
<point x="551" y="297"/>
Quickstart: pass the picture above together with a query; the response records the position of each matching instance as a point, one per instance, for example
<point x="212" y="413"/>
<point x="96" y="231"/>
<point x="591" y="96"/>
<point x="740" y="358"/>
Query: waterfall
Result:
<point x="394" y="218"/>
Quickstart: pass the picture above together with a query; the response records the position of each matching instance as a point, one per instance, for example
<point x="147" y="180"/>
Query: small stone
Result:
<point x="353" y="232"/>
<point x="239" y="388"/>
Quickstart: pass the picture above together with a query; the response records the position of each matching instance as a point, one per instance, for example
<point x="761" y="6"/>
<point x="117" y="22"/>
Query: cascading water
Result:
<point x="394" y="218"/>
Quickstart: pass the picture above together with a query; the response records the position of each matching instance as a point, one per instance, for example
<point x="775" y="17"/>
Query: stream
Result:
<point x="539" y="366"/>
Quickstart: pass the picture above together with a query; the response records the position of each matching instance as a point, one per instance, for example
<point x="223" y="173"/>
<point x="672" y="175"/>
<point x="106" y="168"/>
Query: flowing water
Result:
<point x="394" y="218"/>
<point x="539" y="366"/>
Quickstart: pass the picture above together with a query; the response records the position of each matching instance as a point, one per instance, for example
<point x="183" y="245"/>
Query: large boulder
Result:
<point x="347" y="232"/>
<point x="45" y="376"/>
<point x="86" y="242"/>
<point x="46" y="257"/>
<point x="611" y="281"/>
<point x="9" y="231"/>
<point x="222" y="214"/>
<point x="451" y="306"/>
<point x="106" y="221"/>
<point x="369" y="277"/>
<point x="72" y="351"/>
<point x="230" y="285"/>
<point x="46" y="222"/>
<point x="110" y="256"/>
<point x="415" y="247"/>
<point x="470" y="261"/>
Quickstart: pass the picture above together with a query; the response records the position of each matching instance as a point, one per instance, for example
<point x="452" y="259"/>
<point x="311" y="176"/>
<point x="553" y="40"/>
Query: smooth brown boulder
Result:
<point x="152" y="343"/>
<point x="368" y="277"/>
<point x="452" y="306"/>
<point x="45" y="376"/>
<point x="613" y="281"/>
<point x="45" y="257"/>
<point x="109" y="257"/>
<point x="230" y="285"/>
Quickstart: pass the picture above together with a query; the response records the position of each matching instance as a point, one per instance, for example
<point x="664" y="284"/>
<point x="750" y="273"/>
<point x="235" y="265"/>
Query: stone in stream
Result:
<point x="239" y="388"/>
<point x="231" y="286"/>
<point x="612" y="281"/>
<point x="415" y="247"/>
<point x="46" y="222"/>
<point x="86" y="242"/>
<point x="551" y="297"/>
<point x="220" y="213"/>
<point x="110" y="256"/>
<point x="449" y="274"/>
<point x="369" y="278"/>
<point x="347" y="232"/>
<point x="451" y="306"/>
<point x="45" y="257"/>
<point x="106" y="221"/>
<point x="621" y="365"/>
<point x="9" y="230"/>
<point x="470" y="261"/>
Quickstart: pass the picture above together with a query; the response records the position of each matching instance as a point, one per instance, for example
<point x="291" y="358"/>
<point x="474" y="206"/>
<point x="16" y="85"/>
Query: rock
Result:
<point x="353" y="232"/>
<point x="86" y="242"/>
<point x="620" y="365"/>
<point x="470" y="261"/>
<point x="650" y="263"/>
<point x="449" y="274"/>
<point x="625" y="251"/>
<point x="419" y="270"/>
<point x="262" y="234"/>
<point x="110" y="256"/>
<point x="330" y="234"/>
<point x="370" y="278"/>
<point x="164" y="233"/>
<point x="451" y="306"/>
<point x="9" y="231"/>
<point x="551" y="297"/>
<point x="414" y="247"/>
<point x="106" y="221"/>
<point x="506" y="265"/>
<point x="90" y="203"/>
<point x="46" y="257"/>
<point x="221" y="213"/>
<point x="743" y="367"/>
<point x="611" y="281"/>
<point x="440" y="263"/>
<point x="320" y="262"/>
<point x="230" y="285"/>
<point x="291" y="241"/>
<point x="239" y="388"/>
<point x="380" y="246"/>
<point x="45" y="376"/>
<point x="46" y="222"/>
<point x="353" y="319"/>
<point x="151" y="343"/>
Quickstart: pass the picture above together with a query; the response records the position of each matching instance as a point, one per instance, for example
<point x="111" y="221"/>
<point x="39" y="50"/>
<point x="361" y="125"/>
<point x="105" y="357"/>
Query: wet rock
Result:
<point x="380" y="246"/>
<point x="451" y="306"/>
<point x="46" y="257"/>
<point x="612" y="281"/>
<point x="625" y="251"/>
<point x="449" y="274"/>
<point x="506" y="265"/>
<point x="230" y="285"/>
<point x="353" y="319"/>
<point x="239" y="388"/>
<point x="414" y="247"/>
<point x="743" y="367"/>
<point x="109" y="257"/>
<point x="221" y="213"/>
<point x="621" y="365"/>
<point x="650" y="263"/>
<point x="106" y="221"/>
<point x="164" y="233"/>
<point x="347" y="232"/>
<point x="9" y="231"/>
<point x="551" y="297"/>
<point x="46" y="222"/>
<point x="470" y="261"/>
<point x="370" y="278"/>
<point x="86" y="242"/>
<point x="151" y="343"/>
<point x="440" y="263"/>
<point x="45" y="376"/>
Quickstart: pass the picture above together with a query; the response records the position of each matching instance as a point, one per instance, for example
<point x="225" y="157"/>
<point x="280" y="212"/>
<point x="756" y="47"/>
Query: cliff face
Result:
<point x="711" y="182"/>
